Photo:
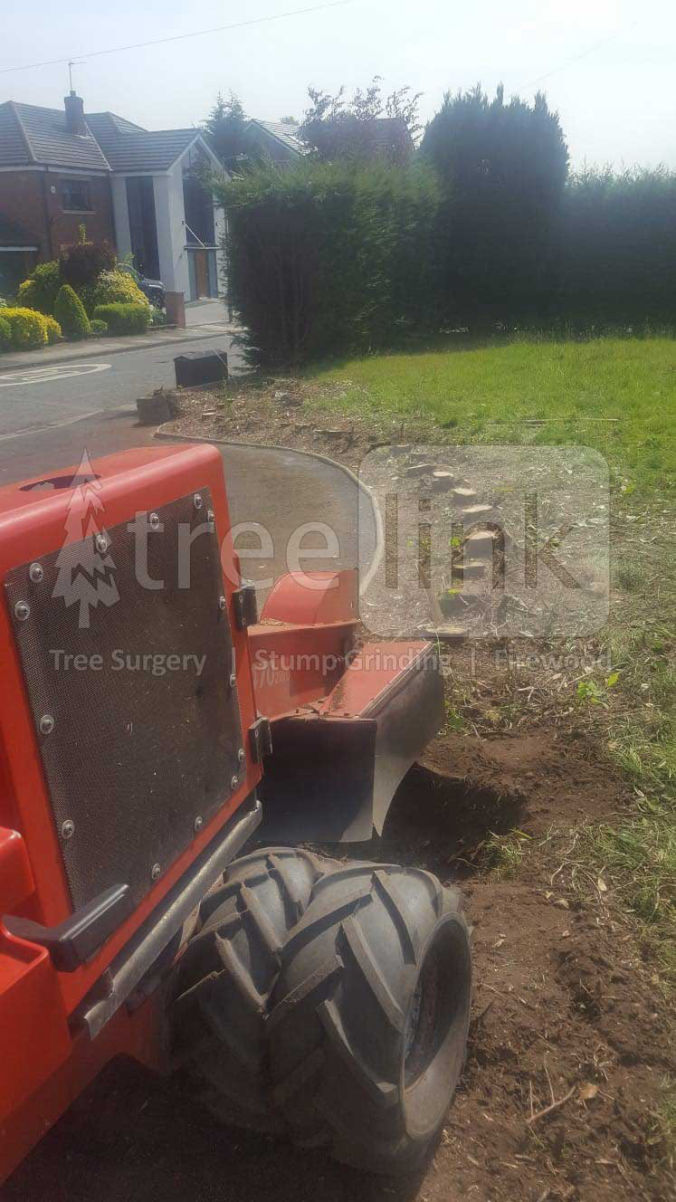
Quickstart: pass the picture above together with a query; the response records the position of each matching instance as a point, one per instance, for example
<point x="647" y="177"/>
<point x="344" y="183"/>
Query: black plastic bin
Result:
<point x="200" y="367"/>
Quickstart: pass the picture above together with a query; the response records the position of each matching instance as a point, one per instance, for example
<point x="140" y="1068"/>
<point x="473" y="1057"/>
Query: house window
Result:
<point x="76" y="196"/>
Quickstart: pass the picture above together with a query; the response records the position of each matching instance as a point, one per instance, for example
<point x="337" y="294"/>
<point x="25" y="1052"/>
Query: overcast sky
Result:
<point x="607" y="66"/>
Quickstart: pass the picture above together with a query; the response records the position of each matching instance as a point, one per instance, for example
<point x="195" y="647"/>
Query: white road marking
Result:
<point x="50" y="374"/>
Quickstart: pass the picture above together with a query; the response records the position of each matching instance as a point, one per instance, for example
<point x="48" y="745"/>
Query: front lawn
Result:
<point x="617" y="395"/>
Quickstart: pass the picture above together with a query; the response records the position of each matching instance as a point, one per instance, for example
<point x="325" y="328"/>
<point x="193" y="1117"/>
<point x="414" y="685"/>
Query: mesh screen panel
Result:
<point x="142" y="745"/>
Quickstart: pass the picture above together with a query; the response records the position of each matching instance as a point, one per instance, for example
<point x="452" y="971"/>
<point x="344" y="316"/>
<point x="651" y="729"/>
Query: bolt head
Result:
<point x="233" y="679"/>
<point x="36" y="573"/>
<point x="67" y="829"/>
<point x="198" y="823"/>
<point x="154" y="520"/>
<point x="211" y="517"/>
<point x="240" y="755"/>
<point x="101" y="543"/>
<point x="234" y="781"/>
<point x="222" y="602"/>
<point x="197" y="501"/>
<point x="47" y="724"/>
<point x="155" y="872"/>
<point x="22" y="610"/>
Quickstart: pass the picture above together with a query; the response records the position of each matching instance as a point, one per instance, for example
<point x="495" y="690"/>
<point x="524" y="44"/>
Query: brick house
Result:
<point x="141" y="190"/>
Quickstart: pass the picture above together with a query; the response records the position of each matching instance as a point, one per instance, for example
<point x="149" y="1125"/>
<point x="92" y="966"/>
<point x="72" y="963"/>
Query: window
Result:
<point x="75" y="196"/>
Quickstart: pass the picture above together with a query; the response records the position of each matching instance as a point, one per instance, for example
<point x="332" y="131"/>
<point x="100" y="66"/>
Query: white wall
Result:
<point x="171" y="236"/>
<point x="121" y="215"/>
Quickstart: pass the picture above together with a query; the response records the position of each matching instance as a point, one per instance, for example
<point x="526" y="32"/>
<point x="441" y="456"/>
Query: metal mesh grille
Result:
<point x="142" y="745"/>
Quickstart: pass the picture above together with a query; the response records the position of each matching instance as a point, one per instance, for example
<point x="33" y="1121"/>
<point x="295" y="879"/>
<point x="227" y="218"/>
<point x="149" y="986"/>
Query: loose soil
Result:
<point x="570" y="1037"/>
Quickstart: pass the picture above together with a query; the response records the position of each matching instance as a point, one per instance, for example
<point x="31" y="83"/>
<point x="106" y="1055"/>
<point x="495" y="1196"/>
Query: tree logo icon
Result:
<point x="85" y="567"/>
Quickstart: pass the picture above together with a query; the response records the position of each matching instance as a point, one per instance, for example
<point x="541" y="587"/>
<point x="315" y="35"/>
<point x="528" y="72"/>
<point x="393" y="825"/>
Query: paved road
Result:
<point x="278" y="491"/>
<point x="41" y="396"/>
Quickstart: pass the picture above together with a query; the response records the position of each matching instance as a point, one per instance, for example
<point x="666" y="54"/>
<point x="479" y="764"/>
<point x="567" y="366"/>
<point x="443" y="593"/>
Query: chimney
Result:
<point x="75" y="119"/>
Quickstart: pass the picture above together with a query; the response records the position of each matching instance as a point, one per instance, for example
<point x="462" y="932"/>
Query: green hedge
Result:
<point x="124" y="319"/>
<point x="331" y="257"/>
<point x="70" y="313"/>
<point x="28" y="328"/>
<point x="40" y="290"/>
<point x="112" y="288"/>
<point x="5" y="334"/>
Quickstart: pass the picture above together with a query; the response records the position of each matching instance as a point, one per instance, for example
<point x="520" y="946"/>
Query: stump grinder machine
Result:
<point x="166" y="756"/>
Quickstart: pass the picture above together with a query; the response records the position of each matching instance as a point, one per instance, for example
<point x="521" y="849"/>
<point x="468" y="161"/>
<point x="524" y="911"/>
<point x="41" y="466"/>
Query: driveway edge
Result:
<point x="364" y="583"/>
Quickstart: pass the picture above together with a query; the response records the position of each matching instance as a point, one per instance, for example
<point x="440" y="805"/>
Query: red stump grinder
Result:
<point x="152" y="727"/>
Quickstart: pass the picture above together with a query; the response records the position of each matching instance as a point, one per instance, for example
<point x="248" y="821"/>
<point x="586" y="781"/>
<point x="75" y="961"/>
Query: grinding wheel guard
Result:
<point x="337" y="764"/>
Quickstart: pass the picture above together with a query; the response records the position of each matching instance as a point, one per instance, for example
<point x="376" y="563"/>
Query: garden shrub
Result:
<point x="111" y="288"/>
<point x="96" y="326"/>
<point x="83" y="262"/>
<point x="40" y="289"/>
<point x="5" y="334"/>
<point x="53" y="329"/>
<point x="124" y="319"/>
<point x="28" y="328"/>
<point x="70" y="313"/>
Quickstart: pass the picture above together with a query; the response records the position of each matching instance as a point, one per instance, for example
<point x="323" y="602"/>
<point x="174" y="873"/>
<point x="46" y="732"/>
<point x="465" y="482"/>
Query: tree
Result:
<point x="504" y="167"/>
<point x="225" y="128"/>
<point x="336" y="128"/>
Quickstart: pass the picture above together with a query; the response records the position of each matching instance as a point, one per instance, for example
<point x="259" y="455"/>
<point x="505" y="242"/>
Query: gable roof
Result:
<point x="30" y="134"/>
<point x="128" y="147"/>
<point x="282" y="131"/>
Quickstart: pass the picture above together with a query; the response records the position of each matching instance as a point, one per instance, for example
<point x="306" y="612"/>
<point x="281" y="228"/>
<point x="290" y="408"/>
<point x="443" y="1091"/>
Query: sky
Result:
<point x="607" y="66"/>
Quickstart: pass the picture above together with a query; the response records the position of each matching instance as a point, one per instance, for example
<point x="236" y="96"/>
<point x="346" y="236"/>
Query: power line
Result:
<point x="180" y="37"/>
<point x="583" y="54"/>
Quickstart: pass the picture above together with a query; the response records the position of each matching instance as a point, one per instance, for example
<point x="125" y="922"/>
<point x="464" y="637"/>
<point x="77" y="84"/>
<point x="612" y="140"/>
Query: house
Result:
<point x="141" y="190"/>
<point x="277" y="140"/>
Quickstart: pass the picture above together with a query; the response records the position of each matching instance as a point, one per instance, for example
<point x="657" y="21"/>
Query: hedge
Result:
<point x="70" y="313"/>
<point x="28" y="328"/>
<point x="53" y="329"/>
<point x="5" y="334"/>
<point x="112" y="288"/>
<point x="96" y="326"/>
<point x="331" y="257"/>
<point x="124" y="319"/>
<point x="39" y="291"/>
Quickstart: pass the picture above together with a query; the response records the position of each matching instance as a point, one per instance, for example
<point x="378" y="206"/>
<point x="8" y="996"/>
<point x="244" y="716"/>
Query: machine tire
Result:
<point x="369" y="1018"/>
<point x="223" y="980"/>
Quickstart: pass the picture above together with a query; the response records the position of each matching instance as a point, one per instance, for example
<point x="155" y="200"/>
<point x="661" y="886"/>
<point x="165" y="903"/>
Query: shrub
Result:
<point x="53" y="329"/>
<point x="112" y="288"/>
<point x="124" y="319"/>
<point x="28" y="328"/>
<point x="83" y="263"/>
<point x="70" y="313"/>
<point x="40" y="289"/>
<point x="97" y="326"/>
<point x="330" y="258"/>
<point x="5" y="334"/>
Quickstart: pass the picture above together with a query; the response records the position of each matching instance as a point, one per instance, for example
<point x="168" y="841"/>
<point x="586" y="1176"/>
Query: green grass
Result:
<point x="484" y="393"/>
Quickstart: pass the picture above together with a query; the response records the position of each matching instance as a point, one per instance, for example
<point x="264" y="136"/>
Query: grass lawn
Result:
<point x="484" y="393"/>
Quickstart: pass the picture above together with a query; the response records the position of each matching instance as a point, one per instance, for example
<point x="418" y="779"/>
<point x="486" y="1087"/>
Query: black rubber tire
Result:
<point x="369" y="1018"/>
<point x="222" y="983"/>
